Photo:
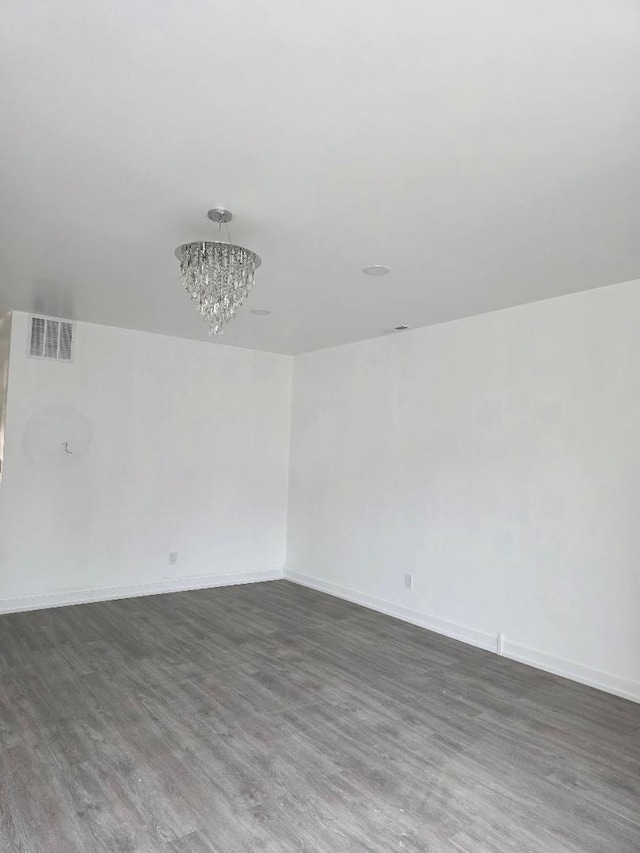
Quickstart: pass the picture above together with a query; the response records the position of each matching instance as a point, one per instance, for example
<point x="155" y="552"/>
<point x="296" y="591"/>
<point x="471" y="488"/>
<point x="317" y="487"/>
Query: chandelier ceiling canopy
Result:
<point x="217" y="275"/>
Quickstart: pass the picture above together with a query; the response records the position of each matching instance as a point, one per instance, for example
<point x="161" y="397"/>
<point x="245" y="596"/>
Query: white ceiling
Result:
<point x="489" y="152"/>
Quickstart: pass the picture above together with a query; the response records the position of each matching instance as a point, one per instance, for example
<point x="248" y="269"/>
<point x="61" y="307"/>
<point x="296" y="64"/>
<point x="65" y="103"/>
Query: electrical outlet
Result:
<point x="173" y="558"/>
<point x="408" y="581"/>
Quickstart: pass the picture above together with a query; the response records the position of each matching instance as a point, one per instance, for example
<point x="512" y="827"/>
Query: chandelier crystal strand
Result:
<point x="217" y="276"/>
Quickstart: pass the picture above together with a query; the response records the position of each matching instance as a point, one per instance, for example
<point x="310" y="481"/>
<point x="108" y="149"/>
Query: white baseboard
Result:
<point x="449" y="629"/>
<point x="86" y="596"/>
<point x="616" y="684"/>
<point x="624" y="687"/>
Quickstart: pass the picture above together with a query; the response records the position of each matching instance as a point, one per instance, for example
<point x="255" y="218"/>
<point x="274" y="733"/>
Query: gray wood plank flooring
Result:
<point x="270" y="717"/>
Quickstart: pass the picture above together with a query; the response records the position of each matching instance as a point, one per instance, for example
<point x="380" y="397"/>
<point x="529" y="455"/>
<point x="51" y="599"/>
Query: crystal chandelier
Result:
<point x="217" y="275"/>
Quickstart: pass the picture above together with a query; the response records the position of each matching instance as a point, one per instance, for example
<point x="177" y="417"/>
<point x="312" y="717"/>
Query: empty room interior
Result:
<point x="320" y="426"/>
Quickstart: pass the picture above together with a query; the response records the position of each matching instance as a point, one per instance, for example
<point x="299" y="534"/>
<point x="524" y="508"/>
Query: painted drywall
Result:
<point x="5" y="351"/>
<point x="176" y="445"/>
<point x="497" y="459"/>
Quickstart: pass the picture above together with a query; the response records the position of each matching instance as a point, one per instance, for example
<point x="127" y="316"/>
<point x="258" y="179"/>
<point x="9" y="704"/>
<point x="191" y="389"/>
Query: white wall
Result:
<point x="5" y="347"/>
<point x="177" y="446"/>
<point x="497" y="458"/>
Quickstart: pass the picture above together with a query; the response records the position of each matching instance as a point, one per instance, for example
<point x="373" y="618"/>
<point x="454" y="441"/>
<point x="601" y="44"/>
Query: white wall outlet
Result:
<point x="173" y="558"/>
<point x="408" y="581"/>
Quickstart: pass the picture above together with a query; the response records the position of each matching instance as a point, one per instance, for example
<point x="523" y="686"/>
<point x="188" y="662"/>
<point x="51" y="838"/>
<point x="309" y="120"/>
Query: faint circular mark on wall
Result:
<point x="56" y="438"/>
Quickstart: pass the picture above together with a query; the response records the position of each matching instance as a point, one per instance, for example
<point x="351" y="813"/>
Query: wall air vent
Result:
<point x="51" y="338"/>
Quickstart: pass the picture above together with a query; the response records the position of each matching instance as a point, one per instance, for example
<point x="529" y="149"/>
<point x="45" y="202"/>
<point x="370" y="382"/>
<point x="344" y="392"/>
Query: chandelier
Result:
<point x="217" y="275"/>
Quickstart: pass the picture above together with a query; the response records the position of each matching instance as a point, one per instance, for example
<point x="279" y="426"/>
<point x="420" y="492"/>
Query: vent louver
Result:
<point x="51" y="338"/>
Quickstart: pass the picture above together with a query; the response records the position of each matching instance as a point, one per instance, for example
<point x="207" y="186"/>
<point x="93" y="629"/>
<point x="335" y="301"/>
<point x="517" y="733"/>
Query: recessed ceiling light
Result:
<point x="260" y="312"/>
<point x="376" y="269"/>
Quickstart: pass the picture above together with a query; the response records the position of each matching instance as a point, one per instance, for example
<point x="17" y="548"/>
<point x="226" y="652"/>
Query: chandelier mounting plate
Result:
<point x="220" y="214"/>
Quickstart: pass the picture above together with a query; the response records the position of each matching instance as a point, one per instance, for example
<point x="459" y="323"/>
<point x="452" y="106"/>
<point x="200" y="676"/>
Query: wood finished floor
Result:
<point x="273" y="718"/>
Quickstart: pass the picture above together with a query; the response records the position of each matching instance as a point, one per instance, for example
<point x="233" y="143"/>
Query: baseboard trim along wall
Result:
<point x="86" y="596"/>
<point x="624" y="687"/>
<point x="449" y="629"/>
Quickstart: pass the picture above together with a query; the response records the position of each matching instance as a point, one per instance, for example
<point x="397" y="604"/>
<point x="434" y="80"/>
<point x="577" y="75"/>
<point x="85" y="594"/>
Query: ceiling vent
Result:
<point x="394" y="329"/>
<point x="51" y="338"/>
